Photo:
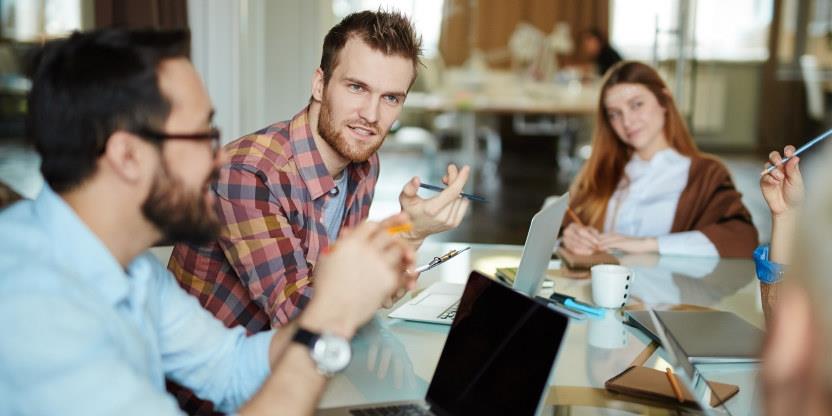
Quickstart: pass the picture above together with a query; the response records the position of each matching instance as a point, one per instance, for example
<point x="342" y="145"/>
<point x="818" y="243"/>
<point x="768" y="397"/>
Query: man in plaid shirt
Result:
<point x="291" y="187"/>
<point x="122" y="123"/>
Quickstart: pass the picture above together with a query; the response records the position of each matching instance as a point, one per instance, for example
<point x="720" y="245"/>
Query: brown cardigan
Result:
<point x="711" y="204"/>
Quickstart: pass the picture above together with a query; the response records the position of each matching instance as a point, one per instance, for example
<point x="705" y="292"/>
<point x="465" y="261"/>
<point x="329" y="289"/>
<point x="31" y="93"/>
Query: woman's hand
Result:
<point x="581" y="239"/>
<point x="783" y="187"/>
<point x="627" y="244"/>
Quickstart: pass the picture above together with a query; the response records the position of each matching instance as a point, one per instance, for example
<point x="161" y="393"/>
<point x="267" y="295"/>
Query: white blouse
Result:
<point x="644" y="204"/>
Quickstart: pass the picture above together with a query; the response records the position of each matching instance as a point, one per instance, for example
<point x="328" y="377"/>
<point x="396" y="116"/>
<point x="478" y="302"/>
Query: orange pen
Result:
<point x="392" y="230"/>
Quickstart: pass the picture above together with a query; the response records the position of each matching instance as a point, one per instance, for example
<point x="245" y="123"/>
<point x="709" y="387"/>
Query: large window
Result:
<point x="427" y="17"/>
<point x="735" y="30"/>
<point x="27" y="20"/>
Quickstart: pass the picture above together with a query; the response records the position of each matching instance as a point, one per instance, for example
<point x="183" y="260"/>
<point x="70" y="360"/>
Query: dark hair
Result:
<point x="389" y="32"/>
<point x="597" y="34"/>
<point x="90" y="85"/>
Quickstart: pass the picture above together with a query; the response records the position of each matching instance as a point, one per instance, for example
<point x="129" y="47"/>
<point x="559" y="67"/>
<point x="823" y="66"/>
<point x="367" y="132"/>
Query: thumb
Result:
<point x="792" y="171"/>
<point x="410" y="188"/>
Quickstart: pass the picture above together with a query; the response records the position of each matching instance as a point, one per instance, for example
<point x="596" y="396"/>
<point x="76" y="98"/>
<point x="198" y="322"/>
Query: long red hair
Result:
<point x="600" y="175"/>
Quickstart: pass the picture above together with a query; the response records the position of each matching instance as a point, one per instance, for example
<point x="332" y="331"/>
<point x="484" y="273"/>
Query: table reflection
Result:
<point x="381" y="367"/>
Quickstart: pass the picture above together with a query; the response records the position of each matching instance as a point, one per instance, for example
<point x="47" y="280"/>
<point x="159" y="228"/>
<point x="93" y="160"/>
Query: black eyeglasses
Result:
<point x="213" y="134"/>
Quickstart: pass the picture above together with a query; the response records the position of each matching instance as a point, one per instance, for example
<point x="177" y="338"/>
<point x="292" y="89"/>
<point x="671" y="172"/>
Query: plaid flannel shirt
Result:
<point x="270" y="199"/>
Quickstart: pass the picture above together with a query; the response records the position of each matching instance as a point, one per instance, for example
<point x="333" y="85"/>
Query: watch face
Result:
<point x="331" y="353"/>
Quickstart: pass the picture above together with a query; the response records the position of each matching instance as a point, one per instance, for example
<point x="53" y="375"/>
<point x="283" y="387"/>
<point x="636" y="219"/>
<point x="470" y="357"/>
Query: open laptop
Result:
<point x="497" y="359"/>
<point x="684" y="369"/>
<point x="438" y="303"/>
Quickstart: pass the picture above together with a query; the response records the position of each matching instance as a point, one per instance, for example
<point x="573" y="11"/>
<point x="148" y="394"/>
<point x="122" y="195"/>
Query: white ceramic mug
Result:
<point x="611" y="285"/>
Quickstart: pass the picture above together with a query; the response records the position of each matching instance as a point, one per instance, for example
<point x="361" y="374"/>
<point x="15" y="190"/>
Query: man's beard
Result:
<point x="332" y="135"/>
<point x="180" y="215"/>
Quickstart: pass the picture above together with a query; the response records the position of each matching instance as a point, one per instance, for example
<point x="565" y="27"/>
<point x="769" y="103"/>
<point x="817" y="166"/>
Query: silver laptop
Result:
<point x="707" y="337"/>
<point x="497" y="359"/>
<point x="684" y="369"/>
<point x="438" y="303"/>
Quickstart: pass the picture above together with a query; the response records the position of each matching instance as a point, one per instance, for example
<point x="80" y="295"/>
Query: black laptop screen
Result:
<point x="499" y="353"/>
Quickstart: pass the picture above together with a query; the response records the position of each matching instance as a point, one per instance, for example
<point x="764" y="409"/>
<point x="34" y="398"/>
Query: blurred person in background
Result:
<point x="646" y="188"/>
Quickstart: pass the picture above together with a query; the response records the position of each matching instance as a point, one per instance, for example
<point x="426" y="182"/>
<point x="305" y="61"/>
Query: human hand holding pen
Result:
<point x="783" y="191"/>
<point x="386" y="231"/>
<point x="580" y="239"/>
<point x="354" y="278"/>
<point x="395" y="225"/>
<point x="771" y="167"/>
<point x="440" y="213"/>
<point x="783" y="187"/>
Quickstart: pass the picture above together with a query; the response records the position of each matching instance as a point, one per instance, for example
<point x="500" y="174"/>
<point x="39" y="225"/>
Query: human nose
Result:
<point x="627" y="118"/>
<point x="369" y="110"/>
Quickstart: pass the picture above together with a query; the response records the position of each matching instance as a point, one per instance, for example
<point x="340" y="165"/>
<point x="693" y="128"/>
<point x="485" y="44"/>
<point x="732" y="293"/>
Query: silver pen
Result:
<point x="439" y="260"/>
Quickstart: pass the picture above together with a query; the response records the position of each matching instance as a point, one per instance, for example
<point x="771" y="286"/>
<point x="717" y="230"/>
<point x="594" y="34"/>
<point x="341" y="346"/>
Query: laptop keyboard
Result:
<point x="449" y="313"/>
<point x="400" y="410"/>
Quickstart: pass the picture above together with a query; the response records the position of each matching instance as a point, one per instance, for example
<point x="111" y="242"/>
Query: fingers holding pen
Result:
<point x="581" y="239"/>
<point x="774" y="159"/>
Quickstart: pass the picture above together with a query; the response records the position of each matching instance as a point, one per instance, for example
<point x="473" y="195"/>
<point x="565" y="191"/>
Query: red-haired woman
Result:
<point x="646" y="188"/>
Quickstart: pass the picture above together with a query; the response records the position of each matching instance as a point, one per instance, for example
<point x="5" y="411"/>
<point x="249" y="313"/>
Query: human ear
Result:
<point x="122" y="156"/>
<point x="318" y="85"/>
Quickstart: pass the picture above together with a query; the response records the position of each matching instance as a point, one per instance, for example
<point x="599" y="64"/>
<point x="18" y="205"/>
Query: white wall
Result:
<point x="257" y="57"/>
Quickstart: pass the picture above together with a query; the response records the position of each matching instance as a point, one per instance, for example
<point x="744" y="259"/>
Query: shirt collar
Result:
<point x="662" y="157"/>
<point x="78" y="250"/>
<point x="308" y="159"/>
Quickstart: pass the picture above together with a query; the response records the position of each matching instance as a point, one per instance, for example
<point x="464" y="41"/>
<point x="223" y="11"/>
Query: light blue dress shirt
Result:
<point x="83" y="336"/>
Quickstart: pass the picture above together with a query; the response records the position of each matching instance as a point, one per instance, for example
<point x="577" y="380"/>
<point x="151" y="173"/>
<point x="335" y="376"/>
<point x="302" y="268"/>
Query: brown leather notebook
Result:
<point x="579" y="262"/>
<point x="648" y="383"/>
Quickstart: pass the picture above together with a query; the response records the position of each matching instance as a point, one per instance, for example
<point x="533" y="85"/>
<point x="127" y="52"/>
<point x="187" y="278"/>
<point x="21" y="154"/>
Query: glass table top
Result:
<point x="395" y="359"/>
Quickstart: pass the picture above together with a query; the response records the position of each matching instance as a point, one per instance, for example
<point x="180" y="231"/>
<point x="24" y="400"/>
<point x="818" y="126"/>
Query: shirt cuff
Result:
<point x="768" y="271"/>
<point x="687" y="243"/>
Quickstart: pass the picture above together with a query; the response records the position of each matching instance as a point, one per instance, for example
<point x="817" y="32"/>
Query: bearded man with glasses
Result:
<point x="92" y="323"/>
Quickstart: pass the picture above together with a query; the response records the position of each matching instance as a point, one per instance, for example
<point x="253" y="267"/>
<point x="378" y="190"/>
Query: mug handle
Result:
<point x="627" y="286"/>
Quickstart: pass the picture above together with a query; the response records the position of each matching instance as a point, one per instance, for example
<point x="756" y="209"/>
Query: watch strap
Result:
<point x="305" y="337"/>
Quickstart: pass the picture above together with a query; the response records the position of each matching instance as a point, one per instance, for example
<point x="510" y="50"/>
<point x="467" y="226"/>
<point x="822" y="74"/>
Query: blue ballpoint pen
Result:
<point x="798" y="151"/>
<point x="471" y="197"/>
<point x="574" y="304"/>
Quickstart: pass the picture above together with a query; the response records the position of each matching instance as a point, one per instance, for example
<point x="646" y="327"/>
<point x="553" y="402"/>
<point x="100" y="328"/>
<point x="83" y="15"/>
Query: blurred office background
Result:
<point x="506" y="85"/>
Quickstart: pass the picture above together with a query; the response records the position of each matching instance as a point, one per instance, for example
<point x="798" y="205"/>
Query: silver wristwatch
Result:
<point x="330" y="353"/>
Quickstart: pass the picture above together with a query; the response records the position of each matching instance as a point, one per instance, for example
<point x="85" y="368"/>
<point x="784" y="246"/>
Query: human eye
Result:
<point x="355" y="88"/>
<point x="391" y="99"/>
<point x="613" y="115"/>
